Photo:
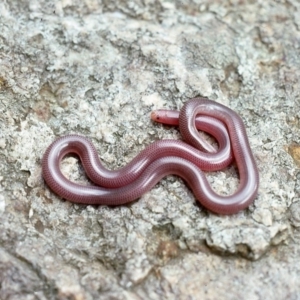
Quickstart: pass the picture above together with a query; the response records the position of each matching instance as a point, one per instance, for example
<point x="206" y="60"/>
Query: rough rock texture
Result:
<point x="98" y="68"/>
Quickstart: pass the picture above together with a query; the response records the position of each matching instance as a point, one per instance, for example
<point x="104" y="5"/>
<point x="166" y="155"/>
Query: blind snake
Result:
<point x="186" y="159"/>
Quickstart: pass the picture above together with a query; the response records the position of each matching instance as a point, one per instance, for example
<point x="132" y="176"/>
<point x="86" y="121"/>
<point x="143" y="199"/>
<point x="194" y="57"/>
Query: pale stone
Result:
<point x="98" y="68"/>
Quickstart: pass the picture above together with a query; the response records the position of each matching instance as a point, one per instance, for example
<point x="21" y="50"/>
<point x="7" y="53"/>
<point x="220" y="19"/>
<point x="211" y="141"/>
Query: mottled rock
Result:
<point x="98" y="68"/>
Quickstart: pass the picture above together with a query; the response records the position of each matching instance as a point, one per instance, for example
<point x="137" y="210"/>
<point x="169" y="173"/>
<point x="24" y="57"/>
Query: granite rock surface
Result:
<point x="98" y="68"/>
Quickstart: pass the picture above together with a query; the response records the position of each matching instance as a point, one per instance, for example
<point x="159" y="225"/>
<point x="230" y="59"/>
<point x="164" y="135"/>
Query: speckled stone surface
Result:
<point x="98" y="68"/>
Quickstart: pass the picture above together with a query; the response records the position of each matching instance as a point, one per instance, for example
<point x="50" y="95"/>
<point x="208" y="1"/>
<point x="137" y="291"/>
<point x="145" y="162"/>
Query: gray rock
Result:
<point x="98" y="68"/>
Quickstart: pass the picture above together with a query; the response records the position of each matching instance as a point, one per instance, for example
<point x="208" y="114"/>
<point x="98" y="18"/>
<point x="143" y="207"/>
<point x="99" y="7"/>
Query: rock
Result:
<point x="98" y="68"/>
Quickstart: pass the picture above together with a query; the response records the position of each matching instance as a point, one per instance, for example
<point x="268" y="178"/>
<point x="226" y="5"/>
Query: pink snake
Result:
<point x="186" y="159"/>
